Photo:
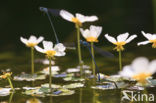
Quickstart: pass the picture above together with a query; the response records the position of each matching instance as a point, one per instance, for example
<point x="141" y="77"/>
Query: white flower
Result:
<point x="78" y="18"/>
<point x="4" y="91"/>
<point x="32" y="41"/>
<point x="50" y="51"/>
<point x="151" y="39"/>
<point x="122" y="39"/>
<point x="140" y="69"/>
<point x="92" y="34"/>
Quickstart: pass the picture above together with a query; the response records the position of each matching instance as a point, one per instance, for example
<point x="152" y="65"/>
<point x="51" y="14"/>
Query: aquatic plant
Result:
<point x="7" y="76"/>
<point x="78" y="19"/>
<point x="32" y="42"/>
<point x="151" y="39"/>
<point x="51" y="51"/>
<point x="140" y="69"/>
<point x="122" y="40"/>
<point x="91" y="35"/>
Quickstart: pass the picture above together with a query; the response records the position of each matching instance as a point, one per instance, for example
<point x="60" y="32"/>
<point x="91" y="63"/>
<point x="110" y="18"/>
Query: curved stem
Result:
<point x="10" y="83"/>
<point x="50" y="74"/>
<point x="120" y="60"/>
<point x="93" y="64"/>
<point x="32" y="60"/>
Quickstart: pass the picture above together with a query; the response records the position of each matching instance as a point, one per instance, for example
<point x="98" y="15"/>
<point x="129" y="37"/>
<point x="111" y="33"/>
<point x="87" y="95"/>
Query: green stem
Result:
<point x="80" y="95"/>
<point x="32" y="60"/>
<point x="50" y="74"/>
<point x="78" y="44"/>
<point x="10" y="98"/>
<point x="120" y="61"/>
<point x="93" y="64"/>
<point x="10" y="83"/>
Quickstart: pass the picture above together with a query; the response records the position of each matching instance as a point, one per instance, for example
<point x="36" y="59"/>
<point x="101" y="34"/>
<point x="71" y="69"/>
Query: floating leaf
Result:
<point x="73" y="79"/>
<point x="43" y="91"/>
<point x="73" y="85"/>
<point x="53" y="85"/>
<point x="29" y="77"/>
<point x="5" y="91"/>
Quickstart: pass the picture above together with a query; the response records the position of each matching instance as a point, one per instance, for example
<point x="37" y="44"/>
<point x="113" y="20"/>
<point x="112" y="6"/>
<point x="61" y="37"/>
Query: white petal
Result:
<point x="152" y="67"/>
<point x="39" y="49"/>
<point x="95" y="30"/>
<point x="40" y="39"/>
<point x="143" y="43"/>
<point x="140" y="64"/>
<point x="80" y="17"/>
<point x="48" y="45"/>
<point x="110" y="38"/>
<point x="59" y="47"/>
<point x="83" y="18"/>
<point x="85" y="33"/>
<point x="147" y="35"/>
<point x="32" y="39"/>
<point x="153" y="37"/>
<point x="23" y="40"/>
<point x="66" y="15"/>
<point x="60" y="54"/>
<point x="127" y="71"/>
<point x="91" y="18"/>
<point x="122" y="37"/>
<point x="131" y="38"/>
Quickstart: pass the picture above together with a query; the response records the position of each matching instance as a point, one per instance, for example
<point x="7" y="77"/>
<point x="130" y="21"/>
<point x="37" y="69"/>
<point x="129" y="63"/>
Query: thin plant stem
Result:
<point x="50" y="74"/>
<point x="32" y="60"/>
<point x="120" y="60"/>
<point x="93" y="64"/>
<point x="10" y="83"/>
<point x="10" y="98"/>
<point x="78" y="44"/>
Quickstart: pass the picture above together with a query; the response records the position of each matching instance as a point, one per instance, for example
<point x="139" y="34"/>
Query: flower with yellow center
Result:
<point x="78" y="18"/>
<point x="140" y="69"/>
<point x="50" y="51"/>
<point x="122" y="40"/>
<point x="151" y="39"/>
<point x="32" y="41"/>
<point x="92" y="34"/>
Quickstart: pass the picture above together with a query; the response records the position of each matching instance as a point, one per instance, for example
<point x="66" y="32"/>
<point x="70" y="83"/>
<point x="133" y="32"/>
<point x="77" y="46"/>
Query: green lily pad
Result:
<point x="73" y="85"/>
<point x="73" y="79"/>
<point x="43" y="91"/>
<point x="29" y="77"/>
<point x="53" y="86"/>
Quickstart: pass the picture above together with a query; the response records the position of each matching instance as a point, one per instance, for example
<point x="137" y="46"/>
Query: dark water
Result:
<point x="20" y="62"/>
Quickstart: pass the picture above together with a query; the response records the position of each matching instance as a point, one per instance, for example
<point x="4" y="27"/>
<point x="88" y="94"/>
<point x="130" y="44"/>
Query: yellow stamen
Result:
<point x="141" y="77"/>
<point x="5" y="75"/>
<point x="92" y="39"/>
<point x="119" y="46"/>
<point x="50" y="53"/>
<point x="76" y="21"/>
<point x="31" y="44"/>
<point x="154" y="43"/>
